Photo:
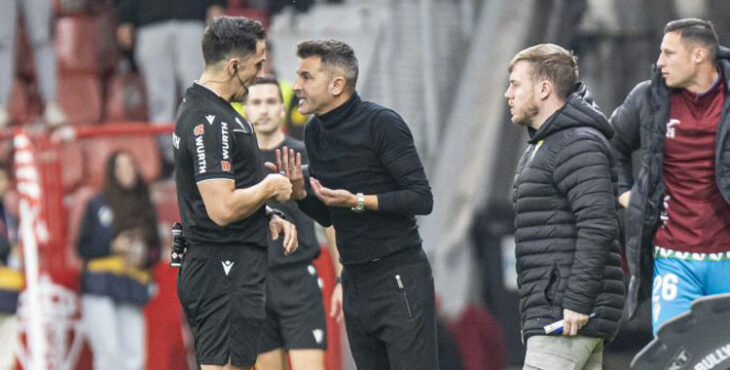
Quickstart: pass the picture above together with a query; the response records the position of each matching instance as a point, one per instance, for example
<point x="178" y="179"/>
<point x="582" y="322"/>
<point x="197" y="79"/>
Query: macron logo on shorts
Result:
<point x="318" y="335"/>
<point x="227" y="265"/>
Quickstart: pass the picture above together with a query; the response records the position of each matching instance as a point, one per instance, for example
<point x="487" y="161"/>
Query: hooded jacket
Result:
<point x="641" y="123"/>
<point x="566" y="222"/>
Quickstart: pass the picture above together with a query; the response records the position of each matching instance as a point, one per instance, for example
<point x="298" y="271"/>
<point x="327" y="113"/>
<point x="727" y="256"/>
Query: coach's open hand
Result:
<point x="573" y="321"/>
<point x="334" y="198"/>
<point x="277" y="226"/>
<point x="289" y="164"/>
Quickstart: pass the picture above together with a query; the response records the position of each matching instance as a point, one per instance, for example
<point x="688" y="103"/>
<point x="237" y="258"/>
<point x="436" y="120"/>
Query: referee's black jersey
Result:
<point x="212" y="141"/>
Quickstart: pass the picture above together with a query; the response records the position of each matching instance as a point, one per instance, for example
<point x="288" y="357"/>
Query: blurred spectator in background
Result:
<point x="37" y="20"/>
<point x="165" y="35"/>
<point x="275" y="6"/>
<point x="119" y="244"/>
<point x="11" y="281"/>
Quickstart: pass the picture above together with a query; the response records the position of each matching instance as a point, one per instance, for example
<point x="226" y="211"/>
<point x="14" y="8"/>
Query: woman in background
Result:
<point x="119" y="244"/>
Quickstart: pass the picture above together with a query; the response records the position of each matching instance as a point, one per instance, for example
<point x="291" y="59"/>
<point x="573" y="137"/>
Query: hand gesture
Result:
<point x="278" y="226"/>
<point x="289" y="164"/>
<point x="334" y="198"/>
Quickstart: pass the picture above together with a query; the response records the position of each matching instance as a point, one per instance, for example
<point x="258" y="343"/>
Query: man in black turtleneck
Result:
<point x="367" y="180"/>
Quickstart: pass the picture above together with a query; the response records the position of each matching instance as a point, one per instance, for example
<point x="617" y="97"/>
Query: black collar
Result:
<point x="336" y="116"/>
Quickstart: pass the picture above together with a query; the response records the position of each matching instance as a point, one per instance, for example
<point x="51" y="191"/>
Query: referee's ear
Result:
<point x="232" y="66"/>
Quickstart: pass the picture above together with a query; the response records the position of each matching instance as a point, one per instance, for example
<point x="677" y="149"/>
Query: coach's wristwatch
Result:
<point x="360" y="207"/>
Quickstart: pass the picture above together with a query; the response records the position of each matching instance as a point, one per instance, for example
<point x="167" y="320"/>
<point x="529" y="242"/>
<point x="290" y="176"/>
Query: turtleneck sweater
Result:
<point x="363" y="147"/>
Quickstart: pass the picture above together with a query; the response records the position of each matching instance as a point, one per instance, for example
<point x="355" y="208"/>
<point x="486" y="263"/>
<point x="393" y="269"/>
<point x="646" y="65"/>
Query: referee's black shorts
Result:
<point x="295" y="317"/>
<point x="221" y="289"/>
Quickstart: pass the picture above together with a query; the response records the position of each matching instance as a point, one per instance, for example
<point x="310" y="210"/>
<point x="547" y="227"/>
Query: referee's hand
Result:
<point x="279" y="226"/>
<point x="279" y="187"/>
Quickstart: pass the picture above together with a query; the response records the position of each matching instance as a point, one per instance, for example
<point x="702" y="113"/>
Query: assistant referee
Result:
<point x="222" y="192"/>
<point x="368" y="181"/>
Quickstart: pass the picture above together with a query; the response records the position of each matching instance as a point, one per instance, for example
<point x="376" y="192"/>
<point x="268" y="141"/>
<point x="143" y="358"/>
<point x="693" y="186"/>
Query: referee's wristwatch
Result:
<point x="275" y="212"/>
<point x="360" y="206"/>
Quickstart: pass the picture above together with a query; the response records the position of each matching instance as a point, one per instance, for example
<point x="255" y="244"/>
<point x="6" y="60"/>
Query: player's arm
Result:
<point x="336" y="299"/>
<point x="625" y="123"/>
<point x="332" y="245"/>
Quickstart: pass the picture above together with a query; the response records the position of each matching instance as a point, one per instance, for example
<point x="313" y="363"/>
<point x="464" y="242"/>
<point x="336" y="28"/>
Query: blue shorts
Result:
<point x="680" y="278"/>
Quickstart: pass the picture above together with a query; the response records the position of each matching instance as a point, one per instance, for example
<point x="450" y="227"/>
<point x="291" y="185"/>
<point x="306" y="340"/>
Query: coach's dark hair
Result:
<point x="228" y="35"/>
<point x="267" y="80"/>
<point x="696" y="30"/>
<point x="333" y="54"/>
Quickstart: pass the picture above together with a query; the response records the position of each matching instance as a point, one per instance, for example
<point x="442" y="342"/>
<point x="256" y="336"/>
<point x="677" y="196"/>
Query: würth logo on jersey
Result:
<point x="670" y="127"/>
<point x="200" y="151"/>
<point x="226" y="166"/>
<point x="199" y="130"/>
<point x="224" y="140"/>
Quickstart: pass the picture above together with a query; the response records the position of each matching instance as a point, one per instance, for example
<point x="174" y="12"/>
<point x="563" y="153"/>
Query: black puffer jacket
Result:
<point x="566" y="223"/>
<point x="640" y="122"/>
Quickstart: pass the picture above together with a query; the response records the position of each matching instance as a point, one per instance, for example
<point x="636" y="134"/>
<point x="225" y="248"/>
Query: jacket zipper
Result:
<point x="402" y="289"/>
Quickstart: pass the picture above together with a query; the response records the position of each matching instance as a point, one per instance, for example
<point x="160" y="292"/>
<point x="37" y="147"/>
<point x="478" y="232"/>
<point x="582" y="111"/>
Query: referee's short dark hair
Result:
<point x="333" y="53"/>
<point x="696" y="30"/>
<point x="225" y="36"/>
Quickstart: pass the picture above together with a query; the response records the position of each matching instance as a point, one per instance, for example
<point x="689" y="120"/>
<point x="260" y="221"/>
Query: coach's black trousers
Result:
<point x="390" y="312"/>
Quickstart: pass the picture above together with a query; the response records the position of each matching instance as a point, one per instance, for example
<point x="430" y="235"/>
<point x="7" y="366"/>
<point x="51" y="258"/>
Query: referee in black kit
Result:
<point x="222" y="191"/>
<point x="367" y="180"/>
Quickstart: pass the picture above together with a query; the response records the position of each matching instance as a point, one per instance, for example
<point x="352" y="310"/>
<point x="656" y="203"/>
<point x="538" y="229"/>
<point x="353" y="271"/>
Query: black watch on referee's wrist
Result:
<point x="338" y="280"/>
<point x="274" y="211"/>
